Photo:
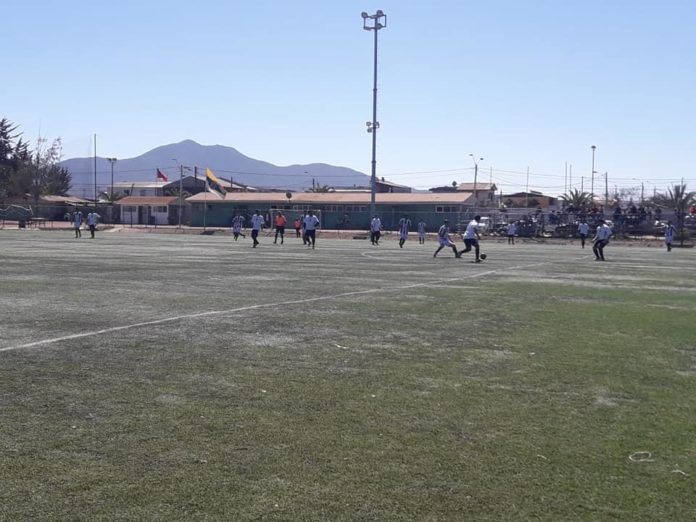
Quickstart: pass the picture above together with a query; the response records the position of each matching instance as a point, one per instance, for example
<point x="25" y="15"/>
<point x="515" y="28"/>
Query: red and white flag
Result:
<point x="161" y="176"/>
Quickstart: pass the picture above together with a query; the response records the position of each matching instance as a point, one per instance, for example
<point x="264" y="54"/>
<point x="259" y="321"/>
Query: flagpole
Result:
<point x="205" y="201"/>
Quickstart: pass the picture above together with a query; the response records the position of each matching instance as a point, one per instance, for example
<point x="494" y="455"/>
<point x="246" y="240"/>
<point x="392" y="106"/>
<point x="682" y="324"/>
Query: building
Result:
<point x="531" y="199"/>
<point x="149" y="210"/>
<point x="485" y="192"/>
<point x="335" y="209"/>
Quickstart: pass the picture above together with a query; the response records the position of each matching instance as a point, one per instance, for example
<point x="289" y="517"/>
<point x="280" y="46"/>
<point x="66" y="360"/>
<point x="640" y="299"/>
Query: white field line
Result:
<point x="255" y="307"/>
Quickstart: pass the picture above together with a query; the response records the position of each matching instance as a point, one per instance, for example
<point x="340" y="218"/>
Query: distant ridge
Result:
<point x="226" y="162"/>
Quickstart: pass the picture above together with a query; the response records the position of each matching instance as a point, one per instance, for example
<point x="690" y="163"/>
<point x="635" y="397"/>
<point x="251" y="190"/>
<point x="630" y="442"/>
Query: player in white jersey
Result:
<point x="669" y="235"/>
<point x="421" y="231"/>
<point x="471" y="238"/>
<point x="311" y="223"/>
<point x="375" y="230"/>
<point x="77" y="222"/>
<point x="443" y="237"/>
<point x="404" y="226"/>
<point x="92" y="219"/>
<point x="601" y="240"/>
<point x="583" y="230"/>
<point x="237" y="225"/>
<point x="511" y="231"/>
<point x="257" y="223"/>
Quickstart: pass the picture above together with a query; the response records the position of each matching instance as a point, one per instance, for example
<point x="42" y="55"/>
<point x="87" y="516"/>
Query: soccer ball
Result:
<point x="483" y="256"/>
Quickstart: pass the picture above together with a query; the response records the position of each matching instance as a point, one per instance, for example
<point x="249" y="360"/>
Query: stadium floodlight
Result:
<point x="379" y="22"/>
<point x="112" y="161"/>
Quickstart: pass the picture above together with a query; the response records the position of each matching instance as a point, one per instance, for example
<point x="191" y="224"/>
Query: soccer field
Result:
<point x="189" y="377"/>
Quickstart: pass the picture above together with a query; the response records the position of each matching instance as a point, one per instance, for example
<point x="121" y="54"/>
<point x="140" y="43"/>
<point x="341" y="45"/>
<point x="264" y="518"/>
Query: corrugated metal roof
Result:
<point x="142" y="201"/>
<point x="359" y="198"/>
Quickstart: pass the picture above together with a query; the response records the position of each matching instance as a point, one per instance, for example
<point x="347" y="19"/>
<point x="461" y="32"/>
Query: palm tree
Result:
<point x="677" y="199"/>
<point x="577" y="198"/>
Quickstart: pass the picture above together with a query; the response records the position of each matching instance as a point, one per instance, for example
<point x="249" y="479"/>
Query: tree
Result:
<point x="678" y="199"/>
<point x="24" y="173"/>
<point x="321" y="188"/>
<point x="577" y="198"/>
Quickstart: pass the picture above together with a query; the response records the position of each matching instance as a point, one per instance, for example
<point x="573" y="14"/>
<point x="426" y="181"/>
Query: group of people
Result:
<point x="404" y="228"/>
<point x="471" y="236"/>
<point x="308" y="223"/>
<point x="91" y="220"/>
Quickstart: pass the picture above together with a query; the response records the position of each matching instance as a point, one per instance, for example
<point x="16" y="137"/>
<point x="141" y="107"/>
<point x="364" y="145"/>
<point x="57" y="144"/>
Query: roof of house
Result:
<point x="359" y="198"/>
<point x="70" y="200"/>
<point x="141" y="184"/>
<point x="148" y="201"/>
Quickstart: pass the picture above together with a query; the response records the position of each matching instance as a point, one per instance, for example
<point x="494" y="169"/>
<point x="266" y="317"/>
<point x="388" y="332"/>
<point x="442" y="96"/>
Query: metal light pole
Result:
<point x="475" y="179"/>
<point x="379" y="20"/>
<point x="112" y="161"/>
<point x="593" y="173"/>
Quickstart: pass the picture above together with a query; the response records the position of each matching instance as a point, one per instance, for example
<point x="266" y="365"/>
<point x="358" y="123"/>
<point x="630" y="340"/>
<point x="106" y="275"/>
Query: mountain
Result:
<point x="225" y="162"/>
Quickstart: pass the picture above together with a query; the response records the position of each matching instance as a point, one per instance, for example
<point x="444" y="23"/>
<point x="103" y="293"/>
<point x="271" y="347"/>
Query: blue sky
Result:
<point x="523" y="84"/>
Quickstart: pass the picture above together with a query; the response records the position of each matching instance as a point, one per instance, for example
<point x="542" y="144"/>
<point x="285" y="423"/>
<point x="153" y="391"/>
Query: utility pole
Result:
<point x="95" y="169"/>
<point x="379" y="22"/>
<point x="475" y="179"/>
<point x="606" y="189"/>
<point x="593" y="173"/>
<point x="526" y="192"/>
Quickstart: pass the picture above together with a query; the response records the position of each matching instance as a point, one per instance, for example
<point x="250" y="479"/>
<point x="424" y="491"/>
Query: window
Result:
<point x="161" y="209"/>
<point x="129" y="209"/>
<point x="333" y="208"/>
<point x="356" y="208"/>
<point x="447" y="209"/>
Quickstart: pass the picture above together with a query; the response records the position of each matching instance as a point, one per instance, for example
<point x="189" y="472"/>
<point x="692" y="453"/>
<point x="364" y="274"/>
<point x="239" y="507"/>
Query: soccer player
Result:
<point x="298" y="226"/>
<point x="443" y="237"/>
<point x="375" y="230"/>
<point x="280" y="222"/>
<point x="404" y="226"/>
<point x="77" y="222"/>
<point x="583" y="230"/>
<point x="257" y="223"/>
<point x="237" y="224"/>
<point x="601" y="240"/>
<point x="92" y="219"/>
<point x="669" y="236"/>
<point x="511" y="231"/>
<point x="471" y="238"/>
<point x="421" y="231"/>
<point x="311" y="222"/>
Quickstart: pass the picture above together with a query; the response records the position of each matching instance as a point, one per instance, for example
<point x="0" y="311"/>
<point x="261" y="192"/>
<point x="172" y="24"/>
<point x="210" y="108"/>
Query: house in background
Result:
<point x="140" y="188"/>
<point x="149" y="210"/>
<point x="531" y="199"/>
<point x="484" y="193"/>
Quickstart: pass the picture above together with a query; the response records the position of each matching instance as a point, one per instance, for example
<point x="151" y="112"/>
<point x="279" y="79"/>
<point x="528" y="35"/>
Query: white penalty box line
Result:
<point x="165" y="320"/>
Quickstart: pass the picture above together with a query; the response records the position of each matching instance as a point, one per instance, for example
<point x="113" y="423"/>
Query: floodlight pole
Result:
<point x="593" y="173"/>
<point x="112" y="161"/>
<point x="373" y="125"/>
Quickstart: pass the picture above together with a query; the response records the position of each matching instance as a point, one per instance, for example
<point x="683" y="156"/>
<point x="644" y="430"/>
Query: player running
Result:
<point x="237" y="225"/>
<point x="601" y="240"/>
<point x="471" y="238"/>
<point x="443" y="237"/>
<point x="404" y="226"/>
